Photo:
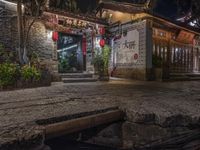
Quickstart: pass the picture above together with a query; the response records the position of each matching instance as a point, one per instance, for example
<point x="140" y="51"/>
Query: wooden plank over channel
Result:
<point x="79" y="124"/>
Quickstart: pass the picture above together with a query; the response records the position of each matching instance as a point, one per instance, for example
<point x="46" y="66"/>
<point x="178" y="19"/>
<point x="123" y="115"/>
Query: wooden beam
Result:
<point x="76" y="125"/>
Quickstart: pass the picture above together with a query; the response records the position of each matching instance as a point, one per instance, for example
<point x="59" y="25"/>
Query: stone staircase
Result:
<point x="77" y="77"/>
<point x="185" y="76"/>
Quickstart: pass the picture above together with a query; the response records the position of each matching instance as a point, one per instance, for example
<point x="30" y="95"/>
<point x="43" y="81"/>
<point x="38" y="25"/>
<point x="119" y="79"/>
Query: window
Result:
<point x="162" y="34"/>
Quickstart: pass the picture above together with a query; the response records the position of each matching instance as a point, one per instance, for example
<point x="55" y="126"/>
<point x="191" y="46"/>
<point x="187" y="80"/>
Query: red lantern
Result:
<point x="55" y="36"/>
<point x="102" y="43"/>
<point x="102" y="31"/>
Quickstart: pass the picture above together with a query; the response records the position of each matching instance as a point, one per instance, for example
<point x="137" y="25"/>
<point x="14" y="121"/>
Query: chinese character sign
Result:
<point x="128" y="48"/>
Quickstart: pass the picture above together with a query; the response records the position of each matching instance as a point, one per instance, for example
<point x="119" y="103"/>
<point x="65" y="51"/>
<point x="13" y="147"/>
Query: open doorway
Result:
<point x="70" y="53"/>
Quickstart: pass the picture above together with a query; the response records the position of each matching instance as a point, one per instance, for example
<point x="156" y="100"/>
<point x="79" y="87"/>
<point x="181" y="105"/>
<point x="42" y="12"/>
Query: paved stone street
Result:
<point x="20" y="109"/>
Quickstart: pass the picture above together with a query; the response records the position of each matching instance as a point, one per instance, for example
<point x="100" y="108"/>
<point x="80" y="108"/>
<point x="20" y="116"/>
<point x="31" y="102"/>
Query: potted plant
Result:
<point x="157" y="67"/>
<point x="101" y="62"/>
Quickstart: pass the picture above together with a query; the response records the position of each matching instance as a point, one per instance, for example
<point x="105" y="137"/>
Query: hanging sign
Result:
<point x="185" y="37"/>
<point x="102" y="30"/>
<point x="127" y="49"/>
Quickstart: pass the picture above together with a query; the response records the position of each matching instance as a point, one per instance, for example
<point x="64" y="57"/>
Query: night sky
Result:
<point x="165" y="8"/>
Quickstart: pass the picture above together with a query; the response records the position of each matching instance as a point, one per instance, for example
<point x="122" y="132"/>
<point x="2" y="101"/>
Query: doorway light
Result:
<point x="67" y="48"/>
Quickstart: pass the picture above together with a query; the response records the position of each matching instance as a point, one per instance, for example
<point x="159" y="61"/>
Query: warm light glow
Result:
<point x="193" y="23"/>
<point x="7" y="2"/>
<point x="67" y="48"/>
<point x="97" y="42"/>
<point x="110" y="15"/>
<point x="119" y="14"/>
<point x="49" y="34"/>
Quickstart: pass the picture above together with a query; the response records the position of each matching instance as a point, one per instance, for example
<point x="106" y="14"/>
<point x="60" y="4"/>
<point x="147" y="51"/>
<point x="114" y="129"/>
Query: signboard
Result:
<point x="196" y="42"/>
<point x="185" y="37"/>
<point x="66" y="21"/>
<point x="127" y="49"/>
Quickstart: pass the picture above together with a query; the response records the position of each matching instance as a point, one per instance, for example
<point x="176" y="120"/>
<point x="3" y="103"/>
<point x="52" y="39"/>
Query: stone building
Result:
<point x="144" y="46"/>
<point x="72" y="50"/>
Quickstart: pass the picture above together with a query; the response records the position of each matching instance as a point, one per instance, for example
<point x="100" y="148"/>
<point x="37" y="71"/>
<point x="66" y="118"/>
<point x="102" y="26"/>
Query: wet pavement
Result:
<point x="20" y="109"/>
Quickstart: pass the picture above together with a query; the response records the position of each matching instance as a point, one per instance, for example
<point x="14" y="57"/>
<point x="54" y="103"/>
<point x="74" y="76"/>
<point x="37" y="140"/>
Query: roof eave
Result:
<point x="123" y="7"/>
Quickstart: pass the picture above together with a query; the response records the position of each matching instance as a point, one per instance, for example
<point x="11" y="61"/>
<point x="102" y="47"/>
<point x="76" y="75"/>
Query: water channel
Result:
<point x="62" y="144"/>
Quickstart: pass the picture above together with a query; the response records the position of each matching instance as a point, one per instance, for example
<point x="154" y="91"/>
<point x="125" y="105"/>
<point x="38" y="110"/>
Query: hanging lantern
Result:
<point x="55" y="36"/>
<point x="102" y="42"/>
<point x="102" y="31"/>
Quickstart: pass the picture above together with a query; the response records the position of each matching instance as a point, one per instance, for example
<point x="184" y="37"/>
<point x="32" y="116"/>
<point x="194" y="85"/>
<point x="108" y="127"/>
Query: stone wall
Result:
<point x="133" y="60"/>
<point x="8" y="26"/>
<point x="39" y="41"/>
<point x="142" y="136"/>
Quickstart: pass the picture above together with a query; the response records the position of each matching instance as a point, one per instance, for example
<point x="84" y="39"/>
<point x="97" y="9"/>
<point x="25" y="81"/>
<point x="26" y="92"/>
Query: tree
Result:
<point x="191" y="8"/>
<point x="195" y="12"/>
<point x="19" y="20"/>
<point x="32" y="10"/>
<point x="67" y="5"/>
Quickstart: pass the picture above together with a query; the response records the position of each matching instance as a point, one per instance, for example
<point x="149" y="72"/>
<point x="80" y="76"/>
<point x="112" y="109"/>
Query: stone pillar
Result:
<point x="54" y="52"/>
<point x="89" y="54"/>
<point x="149" y="49"/>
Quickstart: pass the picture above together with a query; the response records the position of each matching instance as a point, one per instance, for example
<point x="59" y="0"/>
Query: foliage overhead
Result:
<point x="192" y="8"/>
<point x="32" y="6"/>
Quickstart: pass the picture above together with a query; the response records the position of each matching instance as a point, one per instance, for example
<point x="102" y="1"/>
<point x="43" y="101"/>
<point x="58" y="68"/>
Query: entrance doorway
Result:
<point x="70" y="53"/>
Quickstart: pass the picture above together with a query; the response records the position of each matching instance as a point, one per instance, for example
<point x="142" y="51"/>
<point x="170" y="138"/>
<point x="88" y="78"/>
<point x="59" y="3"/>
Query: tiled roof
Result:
<point x="123" y="7"/>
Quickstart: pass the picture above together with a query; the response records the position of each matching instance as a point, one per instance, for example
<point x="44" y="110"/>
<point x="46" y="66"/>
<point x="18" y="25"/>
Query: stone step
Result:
<point x="195" y="78"/>
<point x="179" y="79"/>
<point x="76" y="75"/>
<point x="77" y="80"/>
<point x="193" y="75"/>
<point x="184" y="77"/>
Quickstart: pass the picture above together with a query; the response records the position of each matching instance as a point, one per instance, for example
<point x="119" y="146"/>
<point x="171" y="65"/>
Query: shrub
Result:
<point x="106" y="56"/>
<point x="157" y="61"/>
<point x="101" y="60"/>
<point x="98" y="63"/>
<point x="8" y="74"/>
<point x="30" y="73"/>
<point x="64" y="65"/>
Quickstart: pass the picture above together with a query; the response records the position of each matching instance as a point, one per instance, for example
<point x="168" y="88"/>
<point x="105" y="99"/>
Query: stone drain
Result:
<point x="110" y="128"/>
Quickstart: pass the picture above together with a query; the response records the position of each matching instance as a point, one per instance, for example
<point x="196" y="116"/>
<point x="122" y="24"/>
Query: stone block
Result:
<point x="139" y="74"/>
<point x="135" y="134"/>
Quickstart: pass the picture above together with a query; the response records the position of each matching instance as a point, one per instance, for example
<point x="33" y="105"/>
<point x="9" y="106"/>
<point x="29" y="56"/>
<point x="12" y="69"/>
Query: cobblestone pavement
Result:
<point x="23" y="107"/>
